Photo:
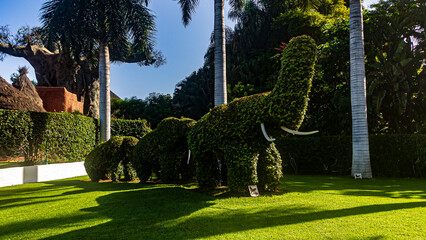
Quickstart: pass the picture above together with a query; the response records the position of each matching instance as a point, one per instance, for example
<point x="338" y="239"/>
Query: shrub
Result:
<point x="15" y="126"/>
<point x="390" y="155"/>
<point x="61" y="137"/>
<point x="134" y="128"/>
<point x="110" y="158"/>
<point x="164" y="151"/>
<point x="231" y="132"/>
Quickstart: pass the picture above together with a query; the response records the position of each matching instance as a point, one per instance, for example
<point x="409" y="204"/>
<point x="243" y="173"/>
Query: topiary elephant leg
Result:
<point x="241" y="161"/>
<point x="269" y="168"/>
<point x="207" y="171"/>
<point x="143" y="170"/>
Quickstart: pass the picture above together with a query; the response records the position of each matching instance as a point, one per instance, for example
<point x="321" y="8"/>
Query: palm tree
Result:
<point x="360" y="147"/>
<point x="123" y="28"/>
<point x="188" y="7"/>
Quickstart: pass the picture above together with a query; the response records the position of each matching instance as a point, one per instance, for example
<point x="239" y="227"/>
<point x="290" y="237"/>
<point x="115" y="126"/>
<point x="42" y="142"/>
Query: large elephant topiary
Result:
<point x="229" y="142"/>
<point x="164" y="151"/>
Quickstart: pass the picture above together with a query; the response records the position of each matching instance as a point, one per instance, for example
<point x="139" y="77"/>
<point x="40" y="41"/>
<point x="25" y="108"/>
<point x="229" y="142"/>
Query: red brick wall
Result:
<point x="58" y="99"/>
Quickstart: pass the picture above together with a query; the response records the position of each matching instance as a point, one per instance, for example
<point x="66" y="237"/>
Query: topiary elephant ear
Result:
<point x="109" y="159"/>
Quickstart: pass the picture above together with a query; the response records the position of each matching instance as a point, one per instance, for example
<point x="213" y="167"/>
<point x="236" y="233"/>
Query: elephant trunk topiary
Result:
<point x="229" y="142"/>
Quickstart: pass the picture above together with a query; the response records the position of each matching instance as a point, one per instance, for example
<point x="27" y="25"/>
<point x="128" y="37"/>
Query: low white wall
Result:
<point x="60" y="171"/>
<point x="11" y="176"/>
<point x="40" y="173"/>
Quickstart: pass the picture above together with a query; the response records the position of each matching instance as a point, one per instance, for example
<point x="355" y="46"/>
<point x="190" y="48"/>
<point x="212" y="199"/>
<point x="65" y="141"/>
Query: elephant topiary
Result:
<point x="229" y="141"/>
<point x="109" y="159"/>
<point x="164" y="151"/>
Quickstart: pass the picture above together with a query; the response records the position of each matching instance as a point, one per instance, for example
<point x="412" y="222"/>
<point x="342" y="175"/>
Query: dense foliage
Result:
<point x="164" y="151"/>
<point x="133" y="128"/>
<point x="154" y="108"/>
<point x="60" y="137"/>
<point x="391" y="155"/>
<point x="14" y="128"/>
<point x="56" y="137"/>
<point x="109" y="159"/>
<point x="231" y="132"/>
<point x="394" y="48"/>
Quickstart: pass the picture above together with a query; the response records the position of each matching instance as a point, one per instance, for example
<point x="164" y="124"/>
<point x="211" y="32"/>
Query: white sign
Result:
<point x="254" y="191"/>
<point x="358" y="176"/>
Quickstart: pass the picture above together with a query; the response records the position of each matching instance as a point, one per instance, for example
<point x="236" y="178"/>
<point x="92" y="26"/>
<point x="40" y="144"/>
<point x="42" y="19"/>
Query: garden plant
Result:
<point x="229" y="142"/>
<point x="164" y="151"/>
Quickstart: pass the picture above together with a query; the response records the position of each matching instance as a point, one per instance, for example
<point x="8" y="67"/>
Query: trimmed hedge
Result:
<point x="164" y="151"/>
<point x="134" y="128"/>
<point x="390" y="155"/>
<point x="110" y="158"/>
<point x="14" y="128"/>
<point x="61" y="137"/>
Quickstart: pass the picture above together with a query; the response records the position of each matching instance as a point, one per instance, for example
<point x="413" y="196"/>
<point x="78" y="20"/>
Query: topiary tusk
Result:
<point x="189" y="156"/>
<point x="262" y="126"/>
<point x="298" y="133"/>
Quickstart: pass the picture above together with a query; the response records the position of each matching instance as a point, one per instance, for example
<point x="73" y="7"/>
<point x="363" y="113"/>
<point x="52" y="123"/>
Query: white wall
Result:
<point x="40" y="173"/>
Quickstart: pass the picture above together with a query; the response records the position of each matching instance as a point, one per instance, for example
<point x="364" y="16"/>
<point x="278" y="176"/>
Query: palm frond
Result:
<point x="188" y="8"/>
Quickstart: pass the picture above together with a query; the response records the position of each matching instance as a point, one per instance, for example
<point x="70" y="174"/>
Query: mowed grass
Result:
<point x="11" y="164"/>
<point x="312" y="207"/>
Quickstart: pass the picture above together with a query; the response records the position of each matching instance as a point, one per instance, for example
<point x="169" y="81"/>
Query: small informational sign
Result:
<point x="254" y="191"/>
<point x="358" y="176"/>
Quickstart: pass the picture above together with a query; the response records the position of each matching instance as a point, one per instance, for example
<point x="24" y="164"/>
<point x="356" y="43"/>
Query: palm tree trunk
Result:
<point x="220" y="93"/>
<point x="104" y="103"/>
<point x="360" y="146"/>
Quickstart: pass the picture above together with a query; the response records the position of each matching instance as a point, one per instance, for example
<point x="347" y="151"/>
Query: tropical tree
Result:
<point x="188" y="7"/>
<point x="54" y="65"/>
<point x="123" y="28"/>
<point x="360" y="147"/>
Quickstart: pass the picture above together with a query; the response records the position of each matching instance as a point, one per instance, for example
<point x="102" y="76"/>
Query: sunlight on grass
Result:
<point x="313" y="207"/>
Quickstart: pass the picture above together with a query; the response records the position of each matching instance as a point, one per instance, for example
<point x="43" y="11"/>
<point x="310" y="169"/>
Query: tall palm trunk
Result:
<point x="219" y="54"/>
<point x="104" y="103"/>
<point x="360" y="147"/>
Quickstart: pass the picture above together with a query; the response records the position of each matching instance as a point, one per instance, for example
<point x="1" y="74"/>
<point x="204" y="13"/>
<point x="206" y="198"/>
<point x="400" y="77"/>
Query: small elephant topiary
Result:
<point x="109" y="159"/>
<point x="231" y="143"/>
<point x="164" y="151"/>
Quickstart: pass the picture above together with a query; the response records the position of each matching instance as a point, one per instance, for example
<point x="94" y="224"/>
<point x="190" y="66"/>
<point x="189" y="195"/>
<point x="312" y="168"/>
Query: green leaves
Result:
<point x="61" y="137"/>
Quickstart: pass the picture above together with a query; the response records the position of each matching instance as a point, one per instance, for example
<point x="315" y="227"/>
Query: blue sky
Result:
<point x="183" y="48"/>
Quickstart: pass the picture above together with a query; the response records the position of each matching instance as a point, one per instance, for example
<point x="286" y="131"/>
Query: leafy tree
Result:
<point x="154" y="108"/>
<point x="395" y="57"/>
<point x="132" y="108"/>
<point x="193" y="96"/>
<point x="158" y="107"/>
<point x="54" y="65"/>
<point x="124" y="27"/>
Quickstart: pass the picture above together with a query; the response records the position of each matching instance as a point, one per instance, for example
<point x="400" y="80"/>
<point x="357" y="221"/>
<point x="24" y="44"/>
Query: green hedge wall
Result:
<point x="61" y="137"/>
<point x="14" y="128"/>
<point x="390" y="155"/>
<point x="134" y="128"/>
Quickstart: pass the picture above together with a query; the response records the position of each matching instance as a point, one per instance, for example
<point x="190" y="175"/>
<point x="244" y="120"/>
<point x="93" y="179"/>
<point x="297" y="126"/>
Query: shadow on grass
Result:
<point x="159" y="212"/>
<point x="378" y="187"/>
<point x="144" y="211"/>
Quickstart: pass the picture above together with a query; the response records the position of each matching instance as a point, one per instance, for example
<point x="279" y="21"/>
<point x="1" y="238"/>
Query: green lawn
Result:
<point x="11" y="164"/>
<point x="313" y="207"/>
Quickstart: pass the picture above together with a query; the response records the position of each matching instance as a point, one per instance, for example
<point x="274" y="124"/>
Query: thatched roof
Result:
<point x="21" y="96"/>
